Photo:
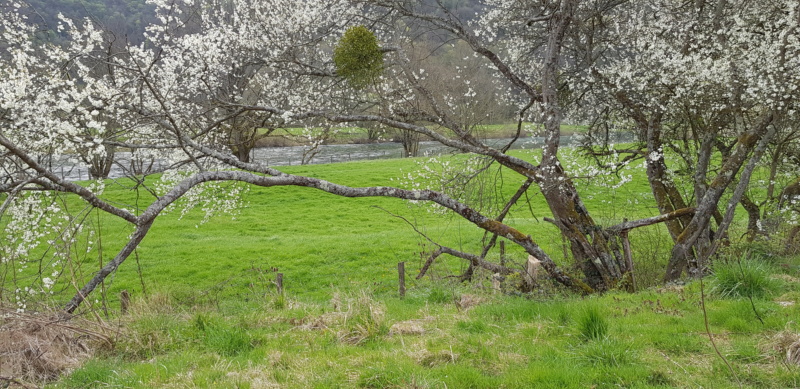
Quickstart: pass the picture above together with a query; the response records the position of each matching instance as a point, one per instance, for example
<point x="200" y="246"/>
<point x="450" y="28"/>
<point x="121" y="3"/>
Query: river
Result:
<point x="70" y="168"/>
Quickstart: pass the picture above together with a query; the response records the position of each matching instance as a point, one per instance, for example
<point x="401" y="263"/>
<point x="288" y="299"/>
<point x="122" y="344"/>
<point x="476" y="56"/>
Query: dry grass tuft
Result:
<point x="155" y="303"/>
<point x="40" y="348"/>
<point x="319" y="323"/>
<point x="363" y="319"/>
<point x="787" y="343"/>
<point x="256" y="378"/>
<point x="670" y="288"/>
<point x="431" y="359"/>
<point x="793" y="353"/>
<point x="785" y="278"/>
<point x="468" y="301"/>
<point x="410" y="327"/>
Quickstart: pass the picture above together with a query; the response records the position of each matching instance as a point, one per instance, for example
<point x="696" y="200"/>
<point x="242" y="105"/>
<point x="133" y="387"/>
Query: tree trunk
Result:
<point x="753" y="217"/>
<point x="681" y="257"/>
<point x="668" y="197"/>
<point x="241" y="142"/>
<point x="100" y="167"/>
<point x="793" y="241"/>
<point x="410" y="141"/>
<point x="777" y="155"/>
<point x="588" y="242"/>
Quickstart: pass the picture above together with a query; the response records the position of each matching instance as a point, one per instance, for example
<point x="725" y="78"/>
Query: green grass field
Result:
<point x="321" y="241"/>
<point x="206" y="312"/>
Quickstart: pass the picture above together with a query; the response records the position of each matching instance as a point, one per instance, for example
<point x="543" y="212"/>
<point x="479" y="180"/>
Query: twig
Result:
<point x="475" y="260"/>
<point x="708" y="331"/>
<point x="749" y="292"/>
<point x="410" y="224"/>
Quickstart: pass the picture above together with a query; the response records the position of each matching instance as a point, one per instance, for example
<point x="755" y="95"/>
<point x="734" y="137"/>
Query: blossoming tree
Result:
<point x="207" y="67"/>
<point x="713" y="82"/>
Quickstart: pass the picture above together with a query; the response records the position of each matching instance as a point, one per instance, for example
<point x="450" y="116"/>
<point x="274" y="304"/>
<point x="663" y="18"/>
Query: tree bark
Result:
<point x="668" y="198"/>
<point x="741" y="187"/>
<point x="753" y="217"/>
<point x="588" y="242"/>
<point x="110" y="267"/>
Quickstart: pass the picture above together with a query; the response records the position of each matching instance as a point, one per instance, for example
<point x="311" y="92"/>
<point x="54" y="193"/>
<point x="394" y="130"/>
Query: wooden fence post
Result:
<point x="502" y="253"/>
<point x="124" y="300"/>
<point x="626" y="249"/>
<point x="496" y="283"/>
<point x="401" y="271"/>
<point x="279" y="282"/>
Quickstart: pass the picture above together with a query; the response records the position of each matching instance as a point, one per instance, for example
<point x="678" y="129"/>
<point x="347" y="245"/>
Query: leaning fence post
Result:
<point x="401" y="272"/>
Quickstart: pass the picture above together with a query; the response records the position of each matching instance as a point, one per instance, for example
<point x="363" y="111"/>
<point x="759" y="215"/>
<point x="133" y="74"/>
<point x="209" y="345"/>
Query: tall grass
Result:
<point x="592" y="325"/>
<point x="743" y="277"/>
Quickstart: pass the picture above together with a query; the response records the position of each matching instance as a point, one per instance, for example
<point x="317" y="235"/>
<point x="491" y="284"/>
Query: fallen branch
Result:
<point x="11" y="380"/>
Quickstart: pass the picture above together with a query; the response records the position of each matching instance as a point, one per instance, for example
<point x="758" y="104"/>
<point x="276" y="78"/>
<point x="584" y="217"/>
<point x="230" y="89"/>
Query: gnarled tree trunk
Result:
<point x="681" y="257"/>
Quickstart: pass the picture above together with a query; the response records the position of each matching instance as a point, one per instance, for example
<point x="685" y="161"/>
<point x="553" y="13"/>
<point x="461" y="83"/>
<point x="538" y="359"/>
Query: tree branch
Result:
<point x="629" y="225"/>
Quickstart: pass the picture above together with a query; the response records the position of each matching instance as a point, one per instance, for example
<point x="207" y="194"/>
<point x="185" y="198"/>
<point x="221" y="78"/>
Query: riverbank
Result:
<point x="359" y="135"/>
<point x="73" y="169"/>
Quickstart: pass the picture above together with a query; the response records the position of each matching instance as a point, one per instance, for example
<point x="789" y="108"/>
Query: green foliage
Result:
<point x="358" y="57"/>
<point x="592" y="324"/>
<point x="743" y="278"/>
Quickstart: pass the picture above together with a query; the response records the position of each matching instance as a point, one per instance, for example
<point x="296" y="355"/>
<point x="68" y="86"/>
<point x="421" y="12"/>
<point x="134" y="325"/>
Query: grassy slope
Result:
<point x="211" y="317"/>
<point x="319" y="240"/>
